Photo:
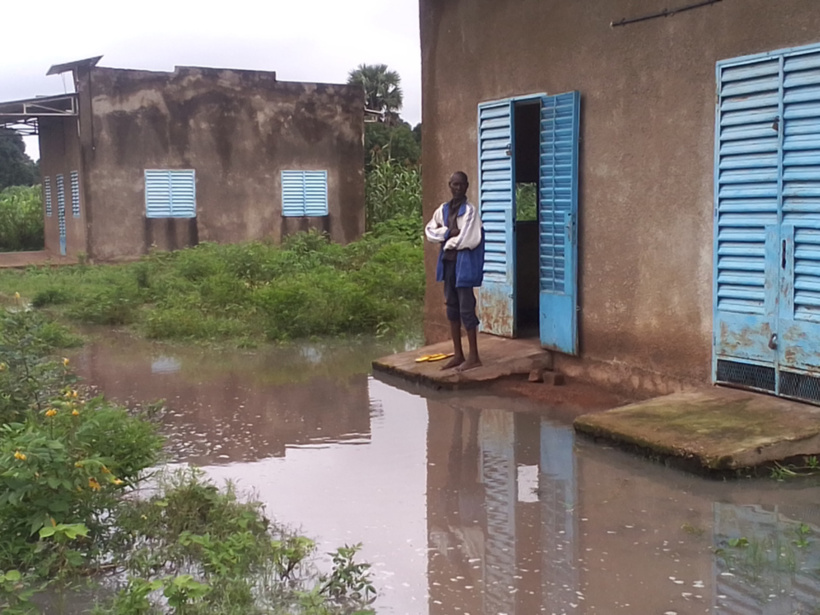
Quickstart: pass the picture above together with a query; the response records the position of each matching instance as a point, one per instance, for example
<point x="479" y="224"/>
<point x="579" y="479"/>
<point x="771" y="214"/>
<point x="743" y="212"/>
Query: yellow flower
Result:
<point x="3" y="367"/>
<point x="78" y="464"/>
<point x="75" y="412"/>
<point x="65" y="361"/>
<point x="51" y="412"/>
<point x="117" y="481"/>
<point x="92" y="482"/>
<point x="17" y="296"/>
<point x="74" y="394"/>
<point x="19" y="455"/>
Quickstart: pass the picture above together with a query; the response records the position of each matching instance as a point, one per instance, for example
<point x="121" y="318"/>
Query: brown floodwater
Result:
<point x="468" y="503"/>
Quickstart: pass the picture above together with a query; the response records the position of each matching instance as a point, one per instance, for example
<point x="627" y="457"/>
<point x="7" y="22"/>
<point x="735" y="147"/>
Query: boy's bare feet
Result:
<point x="454" y="362"/>
<point x="468" y="364"/>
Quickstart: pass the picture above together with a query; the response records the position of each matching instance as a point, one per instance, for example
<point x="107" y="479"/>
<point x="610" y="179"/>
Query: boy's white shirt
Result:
<point x="469" y="226"/>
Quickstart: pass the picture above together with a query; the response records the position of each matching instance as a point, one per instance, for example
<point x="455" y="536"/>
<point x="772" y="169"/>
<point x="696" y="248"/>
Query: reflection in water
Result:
<point x="467" y="507"/>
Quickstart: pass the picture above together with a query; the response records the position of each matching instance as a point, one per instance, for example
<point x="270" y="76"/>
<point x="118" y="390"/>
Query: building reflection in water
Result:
<point x="501" y="501"/>
<point x="512" y="530"/>
<point x="234" y="406"/>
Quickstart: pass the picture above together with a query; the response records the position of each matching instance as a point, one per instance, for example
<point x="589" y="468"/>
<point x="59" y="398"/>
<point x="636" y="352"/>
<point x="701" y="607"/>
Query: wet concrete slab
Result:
<point x="501" y="357"/>
<point x="712" y="430"/>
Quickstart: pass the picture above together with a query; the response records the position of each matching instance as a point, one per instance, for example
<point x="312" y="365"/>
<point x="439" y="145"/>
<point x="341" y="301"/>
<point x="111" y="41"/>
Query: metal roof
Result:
<point x="22" y="114"/>
<point x="67" y="66"/>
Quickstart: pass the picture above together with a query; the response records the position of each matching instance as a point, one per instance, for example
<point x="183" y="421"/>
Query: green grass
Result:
<point x="247" y="293"/>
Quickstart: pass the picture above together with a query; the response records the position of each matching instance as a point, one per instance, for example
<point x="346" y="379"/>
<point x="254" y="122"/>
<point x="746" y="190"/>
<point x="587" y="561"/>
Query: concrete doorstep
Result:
<point x="714" y="430"/>
<point x="500" y="357"/>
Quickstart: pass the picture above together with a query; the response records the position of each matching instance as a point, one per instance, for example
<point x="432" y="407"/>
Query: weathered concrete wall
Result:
<point x="237" y="130"/>
<point x="60" y="155"/>
<point x="646" y="156"/>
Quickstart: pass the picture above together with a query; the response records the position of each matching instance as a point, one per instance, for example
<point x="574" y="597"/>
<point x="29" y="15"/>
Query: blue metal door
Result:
<point x="767" y="223"/>
<point x="798" y="345"/>
<point x="496" y="164"/>
<point x="558" y="222"/>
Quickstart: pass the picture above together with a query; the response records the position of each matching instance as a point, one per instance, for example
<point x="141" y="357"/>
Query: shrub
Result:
<point x="21" y="219"/>
<point x="29" y="375"/>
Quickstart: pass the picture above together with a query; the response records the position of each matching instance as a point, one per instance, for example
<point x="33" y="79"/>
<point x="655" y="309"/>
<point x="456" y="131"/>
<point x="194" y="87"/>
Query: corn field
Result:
<point x="392" y="191"/>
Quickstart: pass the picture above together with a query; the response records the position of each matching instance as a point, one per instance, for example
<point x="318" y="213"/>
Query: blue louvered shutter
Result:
<point x="170" y="193"/>
<point x="557" y="221"/>
<point x="183" y="193"/>
<point x="47" y="195"/>
<point x="315" y="193"/>
<point x="304" y="193"/>
<point x="75" y="194"/>
<point x="61" y="212"/>
<point x="746" y="225"/>
<point x="799" y="326"/>
<point x="495" y="189"/>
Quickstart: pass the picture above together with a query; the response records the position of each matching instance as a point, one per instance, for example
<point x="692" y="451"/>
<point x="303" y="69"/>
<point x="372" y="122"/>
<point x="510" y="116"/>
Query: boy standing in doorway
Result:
<point x="456" y="225"/>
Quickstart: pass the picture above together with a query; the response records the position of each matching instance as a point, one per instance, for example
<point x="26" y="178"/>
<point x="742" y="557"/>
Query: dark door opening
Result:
<point x="527" y="126"/>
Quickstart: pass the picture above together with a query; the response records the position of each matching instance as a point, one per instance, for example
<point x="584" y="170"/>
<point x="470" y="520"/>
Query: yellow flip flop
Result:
<point x="434" y="357"/>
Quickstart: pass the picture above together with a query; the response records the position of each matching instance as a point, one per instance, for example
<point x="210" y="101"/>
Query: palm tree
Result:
<point x="381" y="87"/>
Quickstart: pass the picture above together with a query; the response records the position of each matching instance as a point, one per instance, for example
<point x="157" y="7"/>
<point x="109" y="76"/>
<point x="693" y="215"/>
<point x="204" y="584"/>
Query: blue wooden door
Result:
<point x="767" y="223"/>
<point x="496" y="305"/>
<point x="558" y="222"/>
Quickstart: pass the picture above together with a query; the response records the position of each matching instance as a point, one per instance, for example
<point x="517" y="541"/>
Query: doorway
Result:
<point x="528" y="199"/>
<point x="526" y="123"/>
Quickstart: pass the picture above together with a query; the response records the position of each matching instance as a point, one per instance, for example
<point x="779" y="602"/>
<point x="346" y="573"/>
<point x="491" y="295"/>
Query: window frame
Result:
<point x="304" y="193"/>
<point x="177" y="187"/>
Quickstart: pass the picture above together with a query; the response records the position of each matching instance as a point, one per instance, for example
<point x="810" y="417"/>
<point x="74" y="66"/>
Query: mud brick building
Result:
<point x="134" y="159"/>
<point x="675" y="155"/>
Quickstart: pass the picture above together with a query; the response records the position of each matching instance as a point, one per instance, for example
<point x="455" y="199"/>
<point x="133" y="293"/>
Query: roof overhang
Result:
<point x="22" y="115"/>
<point x="64" y="68"/>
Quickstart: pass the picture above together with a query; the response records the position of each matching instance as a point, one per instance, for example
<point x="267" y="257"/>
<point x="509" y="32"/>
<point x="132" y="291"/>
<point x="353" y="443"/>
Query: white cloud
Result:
<point x="302" y="40"/>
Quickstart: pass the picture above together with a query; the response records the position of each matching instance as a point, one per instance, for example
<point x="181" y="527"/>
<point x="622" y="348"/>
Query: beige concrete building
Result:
<point x="134" y="159"/>
<point x="675" y="155"/>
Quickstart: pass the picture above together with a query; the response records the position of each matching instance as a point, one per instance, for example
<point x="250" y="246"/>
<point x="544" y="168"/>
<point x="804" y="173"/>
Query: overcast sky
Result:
<point x="302" y="40"/>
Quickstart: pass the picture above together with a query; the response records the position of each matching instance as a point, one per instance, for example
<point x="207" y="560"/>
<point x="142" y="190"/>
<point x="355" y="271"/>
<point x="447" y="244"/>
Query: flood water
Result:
<point x="467" y="503"/>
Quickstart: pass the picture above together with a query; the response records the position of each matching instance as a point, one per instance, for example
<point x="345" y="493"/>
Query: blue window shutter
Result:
<point x="315" y="193"/>
<point x="293" y="193"/>
<point x="61" y="212"/>
<point x="47" y="194"/>
<point x="157" y="193"/>
<point x="75" y="194"/>
<point x="183" y="193"/>
<point x="304" y="193"/>
<point x="170" y="193"/>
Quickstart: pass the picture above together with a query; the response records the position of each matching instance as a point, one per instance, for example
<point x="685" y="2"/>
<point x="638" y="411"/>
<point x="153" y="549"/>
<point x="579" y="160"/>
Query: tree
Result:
<point x="391" y="142"/>
<point x="16" y="168"/>
<point x="382" y="88"/>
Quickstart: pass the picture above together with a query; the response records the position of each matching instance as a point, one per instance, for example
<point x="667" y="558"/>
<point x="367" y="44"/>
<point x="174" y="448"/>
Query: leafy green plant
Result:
<point x="29" y="375"/>
<point x="21" y="219"/>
